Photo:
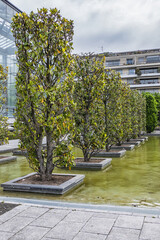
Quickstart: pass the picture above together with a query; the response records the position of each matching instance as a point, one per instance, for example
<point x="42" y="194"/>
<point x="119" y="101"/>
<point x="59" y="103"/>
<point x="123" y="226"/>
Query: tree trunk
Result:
<point x="86" y="155"/>
<point x="40" y="157"/>
<point x="107" y="147"/>
<point x="49" y="165"/>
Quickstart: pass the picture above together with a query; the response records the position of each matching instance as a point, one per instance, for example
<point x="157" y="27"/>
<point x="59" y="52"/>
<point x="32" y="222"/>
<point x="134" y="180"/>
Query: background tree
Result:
<point x="151" y="112"/>
<point x="3" y="120"/>
<point x="87" y="114"/>
<point x="44" y="87"/>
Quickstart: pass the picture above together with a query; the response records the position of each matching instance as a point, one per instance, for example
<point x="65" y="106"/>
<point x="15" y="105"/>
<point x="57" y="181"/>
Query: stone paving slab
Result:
<point x="48" y="220"/>
<point x="89" y="236"/>
<point x="30" y="233"/>
<point x="123" y="234"/>
<point x="33" y="212"/>
<point x="65" y="230"/>
<point x="129" y="222"/>
<point x="78" y="216"/>
<point x="150" y="231"/>
<point x="15" y="224"/>
<point x="8" y="215"/>
<point x="5" y="235"/>
<point x="99" y="225"/>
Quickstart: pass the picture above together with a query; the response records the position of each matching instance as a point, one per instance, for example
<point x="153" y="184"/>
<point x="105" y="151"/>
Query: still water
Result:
<point x="131" y="180"/>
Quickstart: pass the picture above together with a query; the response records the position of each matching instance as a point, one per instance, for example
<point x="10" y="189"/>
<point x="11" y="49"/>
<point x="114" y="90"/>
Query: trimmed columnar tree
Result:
<point x="134" y="112"/>
<point x="125" y="124"/>
<point x="111" y="108"/>
<point x="3" y="119"/>
<point x="141" y="114"/>
<point x="87" y="114"/>
<point x="151" y="112"/>
<point x="44" y="87"/>
<point x="157" y="97"/>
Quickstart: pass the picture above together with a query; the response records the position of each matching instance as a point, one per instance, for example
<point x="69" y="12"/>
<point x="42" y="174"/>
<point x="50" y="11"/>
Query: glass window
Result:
<point x="151" y="70"/>
<point x="153" y="59"/>
<point x="150" y="90"/>
<point x="7" y="53"/>
<point x="130" y="61"/>
<point x="150" y="81"/>
<point x="141" y="60"/>
<point x="130" y="81"/>
<point x="119" y="71"/>
<point x="112" y="63"/>
<point x="131" y="71"/>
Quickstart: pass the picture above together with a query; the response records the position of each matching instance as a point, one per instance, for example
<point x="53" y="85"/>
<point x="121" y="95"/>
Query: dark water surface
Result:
<point x="131" y="180"/>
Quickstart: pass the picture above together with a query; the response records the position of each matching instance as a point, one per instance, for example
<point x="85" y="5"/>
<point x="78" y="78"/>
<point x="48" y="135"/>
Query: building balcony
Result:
<point x="136" y="64"/>
<point x="145" y="86"/>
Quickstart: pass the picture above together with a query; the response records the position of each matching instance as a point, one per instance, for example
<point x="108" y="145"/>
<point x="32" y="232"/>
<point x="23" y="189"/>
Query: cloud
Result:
<point x="117" y="25"/>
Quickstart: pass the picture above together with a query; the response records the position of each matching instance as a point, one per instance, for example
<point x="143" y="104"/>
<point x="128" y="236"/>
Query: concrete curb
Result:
<point x="84" y="206"/>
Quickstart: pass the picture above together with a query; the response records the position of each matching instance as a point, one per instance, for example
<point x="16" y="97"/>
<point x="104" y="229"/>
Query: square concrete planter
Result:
<point x="20" y="152"/>
<point x="142" y="140"/>
<point x="123" y="146"/>
<point x="118" y="153"/>
<point x="144" y="137"/>
<point x="13" y="185"/>
<point x="92" y="165"/>
<point x="136" y="143"/>
<point x="7" y="159"/>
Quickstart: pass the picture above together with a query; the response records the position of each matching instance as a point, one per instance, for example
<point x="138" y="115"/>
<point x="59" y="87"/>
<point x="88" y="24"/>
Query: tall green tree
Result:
<point x="141" y="114"/>
<point x="87" y="114"/>
<point x="44" y="87"/>
<point x="111" y="108"/>
<point x="3" y="91"/>
<point x="151" y="112"/>
<point x="157" y="97"/>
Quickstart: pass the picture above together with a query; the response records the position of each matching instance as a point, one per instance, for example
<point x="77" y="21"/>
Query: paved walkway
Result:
<point x="34" y="222"/>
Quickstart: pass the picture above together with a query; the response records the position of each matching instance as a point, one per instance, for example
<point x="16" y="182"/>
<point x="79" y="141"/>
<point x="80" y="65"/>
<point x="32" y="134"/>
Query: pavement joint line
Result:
<point x="82" y="206"/>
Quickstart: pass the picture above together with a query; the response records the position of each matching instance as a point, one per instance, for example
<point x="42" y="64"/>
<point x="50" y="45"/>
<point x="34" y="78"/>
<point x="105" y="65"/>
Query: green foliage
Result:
<point x="3" y="119"/>
<point x="138" y="113"/>
<point x="111" y="108"/>
<point x="157" y="97"/>
<point x="44" y="86"/>
<point x="151" y="112"/>
<point x="87" y="114"/>
<point x="123" y="110"/>
<point x="12" y="135"/>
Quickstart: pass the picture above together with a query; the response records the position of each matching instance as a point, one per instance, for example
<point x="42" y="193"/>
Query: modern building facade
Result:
<point x="140" y="69"/>
<point x="7" y="51"/>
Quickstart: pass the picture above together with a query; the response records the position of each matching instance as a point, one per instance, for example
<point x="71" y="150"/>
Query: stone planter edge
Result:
<point x="38" y="188"/>
<point x="92" y="166"/>
<point x="8" y="159"/>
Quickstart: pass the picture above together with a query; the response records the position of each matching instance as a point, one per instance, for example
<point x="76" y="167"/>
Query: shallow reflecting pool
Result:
<point x="131" y="180"/>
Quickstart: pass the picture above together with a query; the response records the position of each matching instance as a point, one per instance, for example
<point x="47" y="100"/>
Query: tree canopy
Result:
<point x="44" y="85"/>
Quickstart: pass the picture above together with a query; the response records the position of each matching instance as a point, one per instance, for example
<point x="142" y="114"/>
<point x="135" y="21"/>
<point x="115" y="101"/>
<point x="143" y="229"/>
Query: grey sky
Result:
<point x="111" y="25"/>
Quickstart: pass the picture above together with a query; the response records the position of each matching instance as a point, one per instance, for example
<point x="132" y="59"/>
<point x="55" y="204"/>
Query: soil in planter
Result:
<point x="35" y="179"/>
<point x="5" y="207"/>
<point x="92" y="160"/>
